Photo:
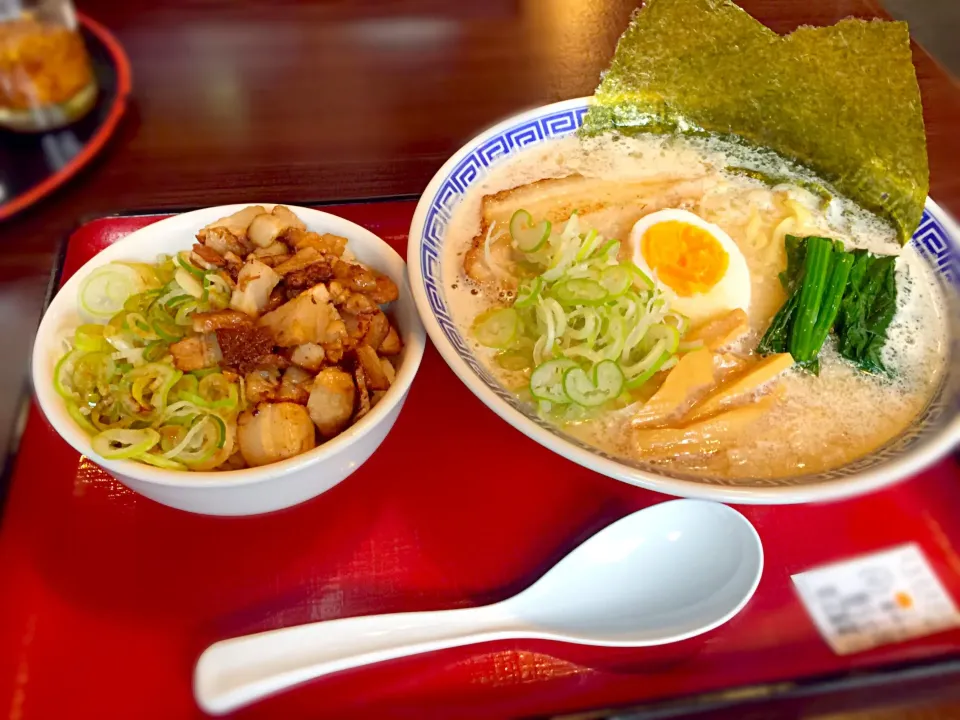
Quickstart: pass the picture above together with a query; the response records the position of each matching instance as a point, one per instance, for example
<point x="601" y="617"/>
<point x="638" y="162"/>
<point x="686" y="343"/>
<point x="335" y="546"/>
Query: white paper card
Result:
<point x="876" y="600"/>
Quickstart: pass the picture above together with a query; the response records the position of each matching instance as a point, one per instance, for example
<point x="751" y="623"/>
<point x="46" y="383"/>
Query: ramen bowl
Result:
<point x="252" y="490"/>
<point x="930" y="436"/>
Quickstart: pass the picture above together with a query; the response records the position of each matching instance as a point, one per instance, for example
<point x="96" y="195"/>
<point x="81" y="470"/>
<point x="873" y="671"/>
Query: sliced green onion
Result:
<point x="559" y="317"/>
<point x="515" y="359"/>
<point x="565" y="257"/>
<point x="92" y="373"/>
<point x="186" y="384"/>
<point x="184" y="311"/>
<point x="104" y="291"/>
<point x="190" y="283"/>
<point x="63" y="374"/>
<point x="150" y="387"/>
<point x="203" y="372"/>
<point x="159" y="461"/>
<point x="184" y="262"/>
<point x="546" y="381"/>
<point x="666" y="332"/>
<point x="641" y="378"/>
<point x="583" y="324"/>
<point x="640" y="279"/>
<point x="207" y="435"/>
<point x="168" y="330"/>
<point x="155" y="350"/>
<point x="590" y="244"/>
<point x="89" y="338"/>
<point x="138" y="326"/>
<point x="497" y="328"/>
<point x="528" y="293"/>
<point x="588" y="317"/>
<point x="610" y="249"/>
<point x="616" y="280"/>
<point x="659" y="343"/>
<point x="110" y="418"/>
<point x="147" y="273"/>
<point x="611" y="340"/>
<point x="579" y="291"/>
<point x="527" y="236"/>
<point x="605" y="384"/>
<point x="119" y="444"/>
<point x="214" y="392"/>
<point x="78" y="417"/>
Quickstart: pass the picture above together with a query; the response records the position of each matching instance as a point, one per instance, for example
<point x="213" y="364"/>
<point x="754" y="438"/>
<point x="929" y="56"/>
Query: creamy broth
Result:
<point x="817" y="422"/>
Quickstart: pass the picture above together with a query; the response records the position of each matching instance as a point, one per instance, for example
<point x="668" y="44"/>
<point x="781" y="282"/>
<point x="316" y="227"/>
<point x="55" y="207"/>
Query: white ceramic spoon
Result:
<point x="663" y="574"/>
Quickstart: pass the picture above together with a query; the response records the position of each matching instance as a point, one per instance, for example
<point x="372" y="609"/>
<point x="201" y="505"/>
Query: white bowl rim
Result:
<point x="53" y="408"/>
<point x="867" y="480"/>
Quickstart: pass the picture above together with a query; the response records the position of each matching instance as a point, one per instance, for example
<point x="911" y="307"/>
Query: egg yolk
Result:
<point x="686" y="258"/>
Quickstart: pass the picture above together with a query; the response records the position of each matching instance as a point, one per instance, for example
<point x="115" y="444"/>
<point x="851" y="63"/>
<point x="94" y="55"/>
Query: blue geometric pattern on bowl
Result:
<point x="931" y="240"/>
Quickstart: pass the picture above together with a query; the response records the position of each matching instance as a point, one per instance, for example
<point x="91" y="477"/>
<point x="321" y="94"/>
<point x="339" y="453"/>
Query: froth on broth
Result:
<point x="810" y="423"/>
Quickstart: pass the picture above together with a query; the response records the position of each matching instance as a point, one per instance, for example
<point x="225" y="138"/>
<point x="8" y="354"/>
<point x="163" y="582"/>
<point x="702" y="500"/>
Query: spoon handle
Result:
<point x="233" y="673"/>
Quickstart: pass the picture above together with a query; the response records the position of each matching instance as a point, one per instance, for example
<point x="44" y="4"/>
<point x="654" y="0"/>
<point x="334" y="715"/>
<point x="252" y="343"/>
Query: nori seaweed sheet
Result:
<point x="842" y="101"/>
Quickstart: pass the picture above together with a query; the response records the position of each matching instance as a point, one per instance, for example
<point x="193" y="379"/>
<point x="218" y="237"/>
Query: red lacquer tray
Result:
<point x="107" y="599"/>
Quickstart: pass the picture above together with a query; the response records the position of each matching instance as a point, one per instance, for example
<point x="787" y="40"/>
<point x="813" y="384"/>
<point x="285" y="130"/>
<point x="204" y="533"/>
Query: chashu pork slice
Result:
<point x="609" y="206"/>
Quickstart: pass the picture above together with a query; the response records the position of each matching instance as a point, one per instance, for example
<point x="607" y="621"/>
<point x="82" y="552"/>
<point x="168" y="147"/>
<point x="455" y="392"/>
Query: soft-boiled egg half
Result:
<point x="698" y="265"/>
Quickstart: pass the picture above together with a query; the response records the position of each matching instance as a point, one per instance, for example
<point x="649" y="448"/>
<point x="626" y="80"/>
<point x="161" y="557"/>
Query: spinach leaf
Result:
<point x="867" y="309"/>
<point x="777" y="337"/>
<point x="859" y="296"/>
<point x="796" y="248"/>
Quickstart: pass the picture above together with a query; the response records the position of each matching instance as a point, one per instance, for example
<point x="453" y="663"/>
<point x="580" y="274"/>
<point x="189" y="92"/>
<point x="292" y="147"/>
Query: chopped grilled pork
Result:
<point x="363" y="394"/>
<point x="254" y="285"/>
<point x="295" y="386"/>
<point x="265" y="229"/>
<point x="333" y="350"/>
<point x="377" y="330"/>
<point x="207" y="256"/>
<point x="234" y="264"/>
<point x="261" y="385"/>
<point x="222" y="241"/>
<point x="389" y="370"/>
<point x="272" y="360"/>
<point x="290" y="217"/>
<point x="244" y="346"/>
<point x="358" y="278"/>
<point x="331" y="401"/>
<point x="309" y="356"/>
<point x="300" y="280"/>
<point x="275" y="249"/>
<point x="234" y="462"/>
<point x="272" y="261"/>
<point x="277" y="298"/>
<point x="273" y="432"/>
<point x="325" y="244"/>
<point x="237" y="223"/>
<point x="308" y="318"/>
<point x="196" y="353"/>
<point x="303" y="258"/>
<point x="376" y="378"/>
<point x="391" y="344"/>
<point x="210" y="321"/>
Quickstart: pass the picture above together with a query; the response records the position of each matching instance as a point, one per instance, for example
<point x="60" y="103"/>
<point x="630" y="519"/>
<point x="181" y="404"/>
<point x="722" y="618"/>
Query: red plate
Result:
<point x="108" y="598"/>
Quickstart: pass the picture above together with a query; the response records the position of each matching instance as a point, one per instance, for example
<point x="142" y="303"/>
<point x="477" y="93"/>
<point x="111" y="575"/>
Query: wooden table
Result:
<point x="241" y="101"/>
